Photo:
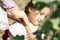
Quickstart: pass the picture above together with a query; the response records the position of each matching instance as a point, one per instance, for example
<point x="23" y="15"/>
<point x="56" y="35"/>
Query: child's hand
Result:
<point x="31" y="36"/>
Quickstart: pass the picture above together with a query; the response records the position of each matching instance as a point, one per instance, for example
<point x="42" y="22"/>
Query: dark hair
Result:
<point x="29" y="5"/>
<point x="38" y="6"/>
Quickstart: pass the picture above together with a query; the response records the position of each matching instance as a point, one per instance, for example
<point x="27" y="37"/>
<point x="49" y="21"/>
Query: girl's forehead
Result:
<point x="46" y="10"/>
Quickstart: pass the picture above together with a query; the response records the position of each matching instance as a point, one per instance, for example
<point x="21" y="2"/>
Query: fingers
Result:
<point x="31" y="37"/>
<point x="25" y="18"/>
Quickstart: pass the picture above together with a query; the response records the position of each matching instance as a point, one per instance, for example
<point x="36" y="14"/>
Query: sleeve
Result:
<point x="8" y="3"/>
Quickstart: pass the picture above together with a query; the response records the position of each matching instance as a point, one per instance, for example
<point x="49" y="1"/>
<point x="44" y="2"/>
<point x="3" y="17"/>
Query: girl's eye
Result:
<point x="41" y="13"/>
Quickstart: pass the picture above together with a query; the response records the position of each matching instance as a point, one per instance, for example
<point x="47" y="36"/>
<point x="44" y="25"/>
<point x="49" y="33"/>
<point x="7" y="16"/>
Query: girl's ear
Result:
<point x="30" y="9"/>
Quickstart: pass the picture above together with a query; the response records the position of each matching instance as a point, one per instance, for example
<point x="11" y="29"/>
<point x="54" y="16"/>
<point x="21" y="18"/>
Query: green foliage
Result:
<point x="39" y="4"/>
<point x="58" y="1"/>
<point x="55" y="23"/>
<point x="55" y="38"/>
<point x="45" y="1"/>
<point x="18" y="38"/>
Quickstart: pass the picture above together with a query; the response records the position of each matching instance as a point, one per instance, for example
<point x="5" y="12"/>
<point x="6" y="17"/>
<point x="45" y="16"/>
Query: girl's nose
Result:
<point x="42" y="17"/>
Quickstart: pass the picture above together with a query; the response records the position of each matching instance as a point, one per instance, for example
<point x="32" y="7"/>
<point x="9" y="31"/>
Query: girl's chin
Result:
<point x="33" y="27"/>
<point x="36" y="24"/>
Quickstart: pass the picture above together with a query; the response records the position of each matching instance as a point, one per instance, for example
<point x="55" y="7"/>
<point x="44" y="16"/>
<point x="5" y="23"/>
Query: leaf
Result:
<point x="55" y="38"/>
<point x="58" y="1"/>
<point x="55" y="23"/>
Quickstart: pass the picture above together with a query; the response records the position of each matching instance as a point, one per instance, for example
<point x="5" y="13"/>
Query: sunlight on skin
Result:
<point x="37" y="16"/>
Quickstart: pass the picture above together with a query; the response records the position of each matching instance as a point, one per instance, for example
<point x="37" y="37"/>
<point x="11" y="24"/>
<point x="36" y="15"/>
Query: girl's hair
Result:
<point x="38" y="6"/>
<point x="29" y="5"/>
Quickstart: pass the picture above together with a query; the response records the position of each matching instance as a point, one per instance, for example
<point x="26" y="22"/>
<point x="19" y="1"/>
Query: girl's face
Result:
<point x="37" y="16"/>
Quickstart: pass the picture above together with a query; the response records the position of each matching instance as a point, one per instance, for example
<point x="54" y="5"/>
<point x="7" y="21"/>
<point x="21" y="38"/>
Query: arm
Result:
<point x="17" y="13"/>
<point x="14" y="10"/>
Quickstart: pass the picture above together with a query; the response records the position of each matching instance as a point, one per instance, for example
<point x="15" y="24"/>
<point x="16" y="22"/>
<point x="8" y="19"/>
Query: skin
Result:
<point x="16" y="13"/>
<point x="37" y="16"/>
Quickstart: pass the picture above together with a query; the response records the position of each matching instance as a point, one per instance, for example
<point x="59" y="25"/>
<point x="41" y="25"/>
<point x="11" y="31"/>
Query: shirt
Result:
<point x="3" y="20"/>
<point x="3" y="15"/>
<point x="7" y="3"/>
